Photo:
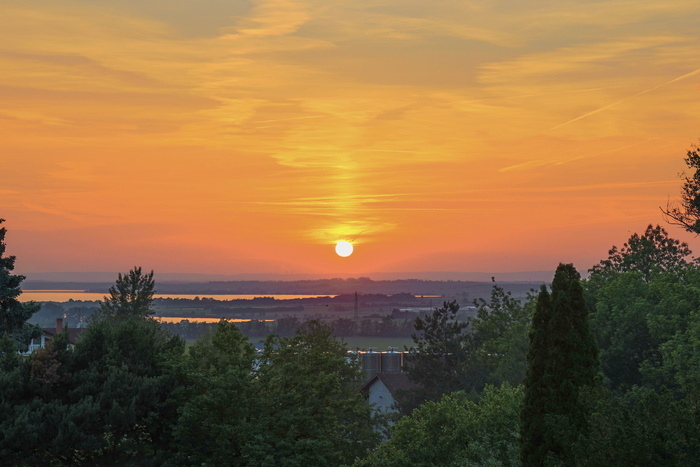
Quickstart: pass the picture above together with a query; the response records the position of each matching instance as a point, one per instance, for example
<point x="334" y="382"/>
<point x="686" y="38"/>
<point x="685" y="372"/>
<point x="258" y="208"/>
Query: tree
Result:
<point x="643" y="428"/>
<point x="131" y="295"/>
<point x="687" y="215"/>
<point x="654" y="251"/>
<point x="562" y="359"/>
<point x="217" y="402"/>
<point x="308" y="407"/>
<point x="125" y="368"/>
<point x="640" y="298"/>
<point x="13" y="313"/>
<point x="456" y="431"/>
<point x="500" y="337"/>
<point x="439" y="364"/>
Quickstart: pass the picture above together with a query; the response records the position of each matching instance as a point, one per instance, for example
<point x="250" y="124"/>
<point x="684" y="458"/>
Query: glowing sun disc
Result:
<point x="343" y="248"/>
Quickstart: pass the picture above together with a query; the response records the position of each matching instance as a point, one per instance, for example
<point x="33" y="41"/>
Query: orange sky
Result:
<point x="230" y="136"/>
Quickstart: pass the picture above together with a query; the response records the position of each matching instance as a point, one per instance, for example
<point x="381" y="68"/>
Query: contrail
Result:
<point x="646" y="91"/>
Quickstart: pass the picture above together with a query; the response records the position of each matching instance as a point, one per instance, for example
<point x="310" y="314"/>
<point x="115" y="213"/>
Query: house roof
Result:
<point x="74" y="333"/>
<point x="392" y="381"/>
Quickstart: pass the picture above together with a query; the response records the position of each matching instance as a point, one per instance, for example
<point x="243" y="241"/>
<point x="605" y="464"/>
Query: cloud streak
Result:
<point x="620" y="101"/>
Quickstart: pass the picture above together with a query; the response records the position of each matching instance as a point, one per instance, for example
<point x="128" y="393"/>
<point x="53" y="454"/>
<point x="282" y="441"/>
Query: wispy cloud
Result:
<point x="641" y="93"/>
<point x="273" y="18"/>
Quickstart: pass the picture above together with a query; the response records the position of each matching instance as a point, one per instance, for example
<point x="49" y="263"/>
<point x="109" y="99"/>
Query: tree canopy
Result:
<point x="456" y="431"/>
<point x="499" y="338"/>
<point x="653" y="251"/>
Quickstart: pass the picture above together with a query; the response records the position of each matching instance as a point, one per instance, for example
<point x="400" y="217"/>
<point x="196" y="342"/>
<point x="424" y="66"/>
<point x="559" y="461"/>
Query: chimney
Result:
<point x="59" y="325"/>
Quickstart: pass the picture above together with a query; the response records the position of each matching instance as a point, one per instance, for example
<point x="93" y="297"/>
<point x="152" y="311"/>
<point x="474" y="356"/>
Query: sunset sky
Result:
<point x="230" y="136"/>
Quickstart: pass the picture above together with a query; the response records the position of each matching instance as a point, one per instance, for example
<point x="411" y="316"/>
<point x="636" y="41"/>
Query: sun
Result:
<point x="343" y="248"/>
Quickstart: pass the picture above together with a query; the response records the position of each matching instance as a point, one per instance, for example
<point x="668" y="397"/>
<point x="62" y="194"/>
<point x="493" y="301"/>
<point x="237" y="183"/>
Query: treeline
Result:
<point x="385" y="326"/>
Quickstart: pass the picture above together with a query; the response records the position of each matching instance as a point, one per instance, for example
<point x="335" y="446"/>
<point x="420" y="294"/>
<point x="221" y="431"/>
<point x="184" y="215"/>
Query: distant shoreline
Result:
<point x="463" y="291"/>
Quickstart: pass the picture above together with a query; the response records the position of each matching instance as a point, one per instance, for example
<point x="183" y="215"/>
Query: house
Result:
<point x="49" y="333"/>
<point x="381" y="390"/>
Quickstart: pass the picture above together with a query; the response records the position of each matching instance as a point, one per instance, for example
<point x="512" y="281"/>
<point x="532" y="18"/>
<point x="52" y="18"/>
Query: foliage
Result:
<point x="13" y="313"/>
<point x="131" y="295"/>
<point x="562" y="358"/>
<point x="500" y="338"/>
<point x="309" y="409"/>
<point x="644" y="322"/>
<point x="644" y="428"/>
<point x="439" y="364"/>
<point x="123" y="366"/>
<point x="654" y="251"/>
<point x="109" y="400"/>
<point x="217" y="401"/>
<point x="687" y="215"/>
<point x="456" y="431"/>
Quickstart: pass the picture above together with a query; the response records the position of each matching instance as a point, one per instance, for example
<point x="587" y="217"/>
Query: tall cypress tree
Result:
<point x="13" y="313"/>
<point x="536" y="394"/>
<point x="562" y="358"/>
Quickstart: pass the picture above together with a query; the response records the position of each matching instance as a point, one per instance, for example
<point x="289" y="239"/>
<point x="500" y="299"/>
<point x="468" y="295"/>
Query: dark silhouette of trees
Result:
<point x="13" y="313"/>
<point x="562" y="359"/>
<point x="654" y="251"/>
<point x="687" y="215"/>
<point x="442" y="349"/>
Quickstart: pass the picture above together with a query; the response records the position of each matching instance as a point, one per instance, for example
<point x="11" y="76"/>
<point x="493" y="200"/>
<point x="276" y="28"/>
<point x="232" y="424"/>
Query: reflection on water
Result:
<point x="177" y="319"/>
<point x="66" y="295"/>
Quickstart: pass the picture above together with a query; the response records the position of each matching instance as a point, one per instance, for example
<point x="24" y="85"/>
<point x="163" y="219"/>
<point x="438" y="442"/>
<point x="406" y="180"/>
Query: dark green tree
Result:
<point x="125" y="368"/>
<point x="643" y="428"/>
<point x="308" y="408"/>
<point x="107" y="401"/>
<point x="131" y="295"/>
<point x="13" y="313"/>
<point x="687" y="215"/>
<point x="439" y="364"/>
<point x="562" y="359"/>
<point x="217" y="402"/>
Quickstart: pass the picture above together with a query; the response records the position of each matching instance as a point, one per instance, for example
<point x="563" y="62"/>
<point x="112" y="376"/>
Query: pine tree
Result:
<point x="131" y="295"/>
<point x="562" y="359"/>
<point x="13" y="313"/>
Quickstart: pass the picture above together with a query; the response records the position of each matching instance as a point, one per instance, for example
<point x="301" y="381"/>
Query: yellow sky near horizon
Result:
<point x="250" y="136"/>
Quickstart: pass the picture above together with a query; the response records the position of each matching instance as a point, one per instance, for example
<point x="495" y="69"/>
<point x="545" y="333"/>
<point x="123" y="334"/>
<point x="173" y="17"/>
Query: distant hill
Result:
<point x="448" y="289"/>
